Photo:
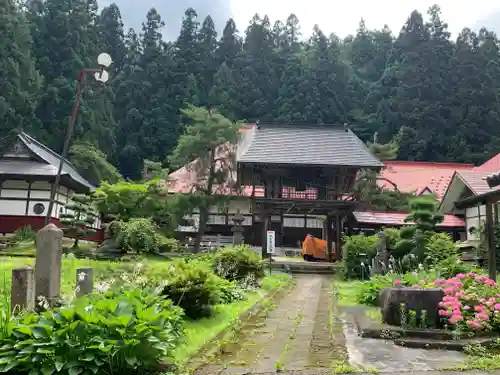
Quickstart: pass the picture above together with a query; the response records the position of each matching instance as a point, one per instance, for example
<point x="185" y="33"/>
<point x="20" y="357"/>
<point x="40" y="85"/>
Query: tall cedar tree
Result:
<point x="207" y="149"/>
<point x="19" y="79"/>
<point x="442" y="95"/>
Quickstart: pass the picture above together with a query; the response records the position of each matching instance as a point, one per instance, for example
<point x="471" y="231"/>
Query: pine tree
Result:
<point x="207" y="147"/>
<point x="79" y="218"/>
<point x="424" y="215"/>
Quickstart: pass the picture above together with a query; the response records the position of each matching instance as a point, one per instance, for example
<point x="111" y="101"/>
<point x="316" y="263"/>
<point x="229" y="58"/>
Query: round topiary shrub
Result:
<point x="239" y="264"/>
<point x="193" y="287"/>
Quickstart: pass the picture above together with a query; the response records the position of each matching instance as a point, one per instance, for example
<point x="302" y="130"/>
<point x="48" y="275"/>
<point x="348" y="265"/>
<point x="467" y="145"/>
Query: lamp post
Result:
<point x="101" y="75"/>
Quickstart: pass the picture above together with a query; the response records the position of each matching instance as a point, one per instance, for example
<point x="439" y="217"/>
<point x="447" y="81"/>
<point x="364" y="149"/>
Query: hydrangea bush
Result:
<point x="471" y="302"/>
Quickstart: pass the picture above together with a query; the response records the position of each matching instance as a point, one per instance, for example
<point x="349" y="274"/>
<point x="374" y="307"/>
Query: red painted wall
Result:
<point x="9" y="224"/>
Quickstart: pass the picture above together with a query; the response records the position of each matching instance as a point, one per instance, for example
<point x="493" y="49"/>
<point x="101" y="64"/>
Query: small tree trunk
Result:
<point x="205" y="206"/>
<point x="201" y="228"/>
<point x="76" y="243"/>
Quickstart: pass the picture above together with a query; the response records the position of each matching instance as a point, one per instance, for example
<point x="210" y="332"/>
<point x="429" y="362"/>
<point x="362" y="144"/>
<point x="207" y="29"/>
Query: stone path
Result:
<point x="298" y="334"/>
<point x="307" y="334"/>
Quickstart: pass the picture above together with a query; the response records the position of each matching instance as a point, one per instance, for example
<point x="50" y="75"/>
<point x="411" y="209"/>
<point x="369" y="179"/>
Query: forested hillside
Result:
<point x="439" y="98"/>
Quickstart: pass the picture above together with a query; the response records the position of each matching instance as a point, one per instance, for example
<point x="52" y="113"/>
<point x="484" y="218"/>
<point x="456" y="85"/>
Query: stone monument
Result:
<point x="237" y="228"/>
<point x="381" y="261"/>
<point x="48" y="263"/>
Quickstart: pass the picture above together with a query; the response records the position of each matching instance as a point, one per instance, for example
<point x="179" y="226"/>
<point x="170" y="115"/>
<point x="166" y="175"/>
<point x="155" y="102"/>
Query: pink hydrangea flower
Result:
<point x="482" y="316"/>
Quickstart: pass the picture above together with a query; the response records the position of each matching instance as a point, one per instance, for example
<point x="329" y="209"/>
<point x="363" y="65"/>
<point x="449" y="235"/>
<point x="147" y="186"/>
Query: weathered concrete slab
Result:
<point x="385" y="356"/>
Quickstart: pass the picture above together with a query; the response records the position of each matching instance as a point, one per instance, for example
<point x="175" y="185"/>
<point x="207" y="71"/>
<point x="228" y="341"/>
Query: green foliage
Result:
<point x="126" y="333"/>
<point x="417" y="84"/>
<point x="141" y="235"/>
<point x="20" y="79"/>
<point x="367" y="187"/>
<point x="439" y="247"/>
<point x="453" y="265"/>
<point x="92" y="163"/>
<point x="79" y="217"/>
<point x="193" y="287"/>
<point x="127" y="200"/>
<point x="207" y="150"/>
<point x="24" y="234"/>
<point x="414" y="238"/>
<point x="358" y="251"/>
<point x="239" y="264"/>
<point x="370" y="289"/>
<point x="230" y="291"/>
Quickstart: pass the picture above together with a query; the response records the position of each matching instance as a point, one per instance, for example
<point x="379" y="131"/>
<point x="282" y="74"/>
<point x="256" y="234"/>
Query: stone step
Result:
<point x="427" y="343"/>
<point x="436" y="334"/>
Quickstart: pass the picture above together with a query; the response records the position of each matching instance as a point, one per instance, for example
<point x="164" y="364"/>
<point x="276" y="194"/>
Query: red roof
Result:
<point x="397" y="219"/>
<point x="416" y="177"/>
<point x="491" y="165"/>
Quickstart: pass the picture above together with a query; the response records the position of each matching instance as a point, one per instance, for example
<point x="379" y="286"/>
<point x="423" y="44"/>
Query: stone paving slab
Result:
<point x="328" y="372"/>
<point x="283" y="339"/>
<point x="385" y="356"/>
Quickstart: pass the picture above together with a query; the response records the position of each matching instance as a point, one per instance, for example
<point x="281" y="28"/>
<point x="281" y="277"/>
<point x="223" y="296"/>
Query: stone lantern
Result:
<point x="237" y="228"/>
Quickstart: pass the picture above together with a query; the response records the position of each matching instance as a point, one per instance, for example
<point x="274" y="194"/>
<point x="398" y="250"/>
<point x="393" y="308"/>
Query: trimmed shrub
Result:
<point x="439" y="247"/>
<point x="141" y="235"/>
<point x="230" y="291"/>
<point x="358" y="253"/>
<point x="453" y="265"/>
<point x="193" y="287"/>
<point x="239" y="264"/>
<point x="113" y="334"/>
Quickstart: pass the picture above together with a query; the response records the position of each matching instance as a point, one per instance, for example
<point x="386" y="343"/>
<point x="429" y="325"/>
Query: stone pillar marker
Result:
<point x="237" y="228"/>
<point x="23" y="290"/>
<point x="84" y="281"/>
<point x="48" y="263"/>
<point x="381" y="260"/>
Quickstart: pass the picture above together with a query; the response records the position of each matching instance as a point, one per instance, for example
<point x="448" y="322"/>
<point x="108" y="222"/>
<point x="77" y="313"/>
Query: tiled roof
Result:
<point x="53" y="158"/>
<point x="415" y="177"/>
<point x="42" y="162"/>
<point x="475" y="180"/>
<point x="397" y="218"/>
<point x="492" y="165"/>
<point x="307" y="145"/>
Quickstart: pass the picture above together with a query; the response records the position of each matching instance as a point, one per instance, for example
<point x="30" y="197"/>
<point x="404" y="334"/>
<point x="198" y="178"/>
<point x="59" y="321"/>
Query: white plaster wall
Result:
<point x="14" y="184"/>
<point x="14" y="193"/>
<point x="14" y="208"/>
<point x="469" y="223"/>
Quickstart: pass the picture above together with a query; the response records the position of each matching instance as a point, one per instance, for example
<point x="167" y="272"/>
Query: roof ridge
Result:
<point x="41" y="145"/>
<point x="298" y="125"/>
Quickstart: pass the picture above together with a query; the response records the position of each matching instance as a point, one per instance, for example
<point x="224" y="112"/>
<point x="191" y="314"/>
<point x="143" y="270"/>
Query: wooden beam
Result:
<point x="490" y="241"/>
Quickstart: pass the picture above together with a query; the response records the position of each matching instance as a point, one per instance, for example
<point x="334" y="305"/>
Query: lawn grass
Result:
<point x="348" y="296"/>
<point x="197" y="333"/>
<point x="103" y="270"/>
<point x="200" y="333"/>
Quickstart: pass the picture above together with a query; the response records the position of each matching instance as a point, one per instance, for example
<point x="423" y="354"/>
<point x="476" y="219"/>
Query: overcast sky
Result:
<point x="342" y="17"/>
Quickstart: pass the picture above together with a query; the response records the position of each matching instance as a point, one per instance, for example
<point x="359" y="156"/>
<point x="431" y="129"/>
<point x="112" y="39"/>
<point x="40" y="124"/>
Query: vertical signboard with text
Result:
<point x="271" y="243"/>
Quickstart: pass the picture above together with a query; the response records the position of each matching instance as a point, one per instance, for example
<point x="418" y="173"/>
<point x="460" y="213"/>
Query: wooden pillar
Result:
<point x="490" y="241"/>
<point x="329" y="237"/>
<point x="338" y="237"/>
<point x="325" y="229"/>
<point x="349" y="224"/>
<point x="266" y="220"/>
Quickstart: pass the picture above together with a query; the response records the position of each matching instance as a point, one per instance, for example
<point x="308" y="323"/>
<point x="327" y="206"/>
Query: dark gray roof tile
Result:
<point x="48" y="156"/>
<point x="323" y="145"/>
